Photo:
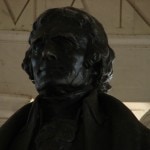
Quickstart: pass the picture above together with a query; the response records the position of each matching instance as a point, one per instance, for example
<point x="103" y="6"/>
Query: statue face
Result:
<point x="57" y="59"/>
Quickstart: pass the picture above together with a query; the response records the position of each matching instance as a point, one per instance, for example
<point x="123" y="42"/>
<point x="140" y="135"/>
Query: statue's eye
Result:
<point x="34" y="51"/>
<point x="64" y="41"/>
<point x="37" y="47"/>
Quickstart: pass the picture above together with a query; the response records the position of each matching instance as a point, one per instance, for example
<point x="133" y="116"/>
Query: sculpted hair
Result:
<point x="99" y="55"/>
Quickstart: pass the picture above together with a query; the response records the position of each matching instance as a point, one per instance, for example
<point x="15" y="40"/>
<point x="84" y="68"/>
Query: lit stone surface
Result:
<point x="128" y="17"/>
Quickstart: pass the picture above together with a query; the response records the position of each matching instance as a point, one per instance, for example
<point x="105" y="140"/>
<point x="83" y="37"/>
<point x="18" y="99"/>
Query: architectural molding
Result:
<point x="115" y="40"/>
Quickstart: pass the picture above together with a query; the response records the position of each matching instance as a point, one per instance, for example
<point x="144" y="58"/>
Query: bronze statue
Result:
<point x="70" y="62"/>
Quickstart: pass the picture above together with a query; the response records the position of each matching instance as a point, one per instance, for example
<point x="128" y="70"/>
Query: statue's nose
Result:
<point x="49" y="55"/>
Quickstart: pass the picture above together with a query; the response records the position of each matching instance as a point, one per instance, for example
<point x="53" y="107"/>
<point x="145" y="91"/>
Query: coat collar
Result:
<point x="92" y="102"/>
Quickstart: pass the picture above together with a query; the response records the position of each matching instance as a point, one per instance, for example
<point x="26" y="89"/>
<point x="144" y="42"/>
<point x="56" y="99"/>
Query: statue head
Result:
<point x="68" y="51"/>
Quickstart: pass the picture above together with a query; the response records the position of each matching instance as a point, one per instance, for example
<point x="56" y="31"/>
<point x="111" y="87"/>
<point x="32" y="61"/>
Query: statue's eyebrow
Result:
<point x="65" y="38"/>
<point x="35" y="40"/>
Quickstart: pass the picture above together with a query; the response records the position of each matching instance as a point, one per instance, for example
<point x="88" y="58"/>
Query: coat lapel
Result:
<point x="96" y="125"/>
<point x="26" y="134"/>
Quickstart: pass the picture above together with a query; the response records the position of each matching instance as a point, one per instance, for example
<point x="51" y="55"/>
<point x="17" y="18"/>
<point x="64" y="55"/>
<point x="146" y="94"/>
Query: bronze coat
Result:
<point x="107" y="125"/>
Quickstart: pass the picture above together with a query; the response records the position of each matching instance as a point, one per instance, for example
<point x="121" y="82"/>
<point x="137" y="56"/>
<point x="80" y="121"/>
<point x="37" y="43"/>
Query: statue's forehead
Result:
<point x="49" y="33"/>
<point x="77" y="41"/>
<point x="49" y="36"/>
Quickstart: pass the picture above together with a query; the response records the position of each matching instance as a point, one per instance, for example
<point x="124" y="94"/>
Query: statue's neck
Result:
<point x="66" y="106"/>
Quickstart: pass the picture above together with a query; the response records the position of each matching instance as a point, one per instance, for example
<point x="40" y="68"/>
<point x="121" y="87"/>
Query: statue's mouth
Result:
<point x="50" y="87"/>
<point x="52" y="71"/>
<point x="51" y="79"/>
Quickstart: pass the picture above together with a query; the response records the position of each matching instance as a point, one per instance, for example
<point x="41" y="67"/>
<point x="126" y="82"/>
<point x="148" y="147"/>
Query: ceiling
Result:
<point x="117" y="16"/>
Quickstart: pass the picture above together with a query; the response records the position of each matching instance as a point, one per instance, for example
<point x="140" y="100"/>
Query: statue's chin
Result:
<point x="51" y="88"/>
<point x="52" y="92"/>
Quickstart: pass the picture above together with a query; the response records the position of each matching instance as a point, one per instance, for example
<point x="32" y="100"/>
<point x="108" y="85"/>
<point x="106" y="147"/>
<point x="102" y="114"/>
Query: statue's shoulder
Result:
<point x="19" y="117"/>
<point x="13" y="125"/>
<point x="105" y="100"/>
<point x="24" y="109"/>
<point x="114" y="107"/>
<point x="105" y="106"/>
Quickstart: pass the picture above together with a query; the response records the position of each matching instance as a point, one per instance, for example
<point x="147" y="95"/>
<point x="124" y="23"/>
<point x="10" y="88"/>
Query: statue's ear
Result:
<point x="27" y="66"/>
<point x="92" y="57"/>
<point x="93" y="61"/>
